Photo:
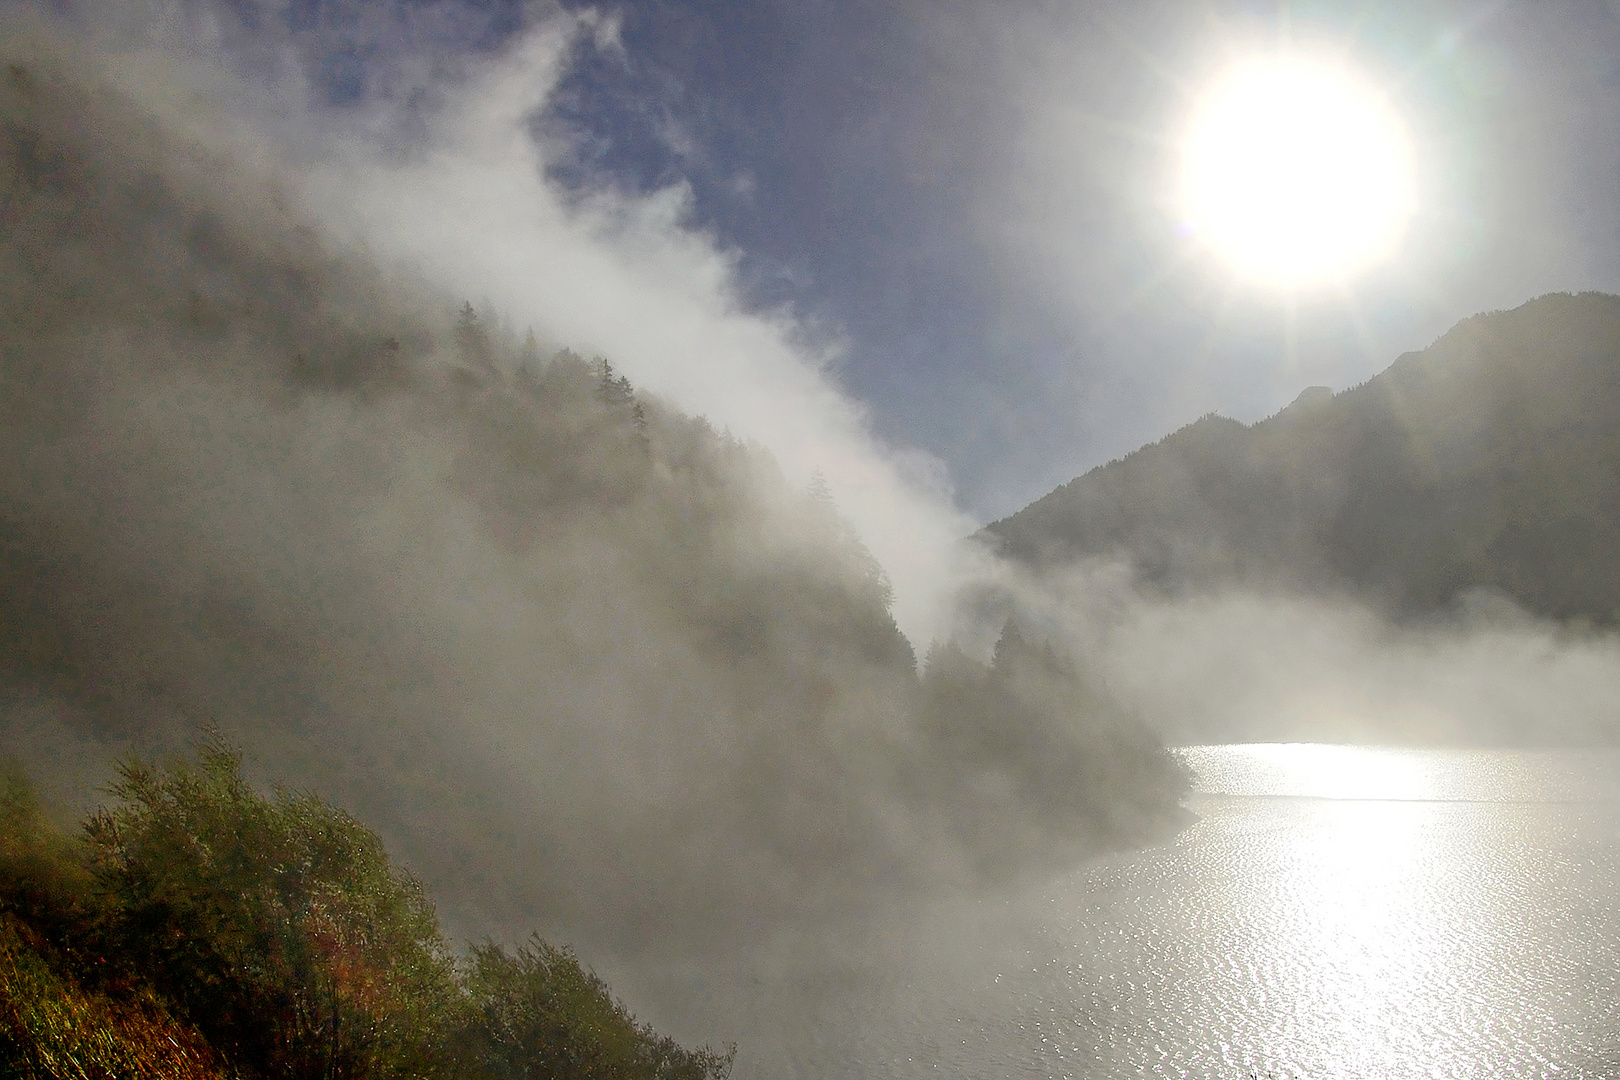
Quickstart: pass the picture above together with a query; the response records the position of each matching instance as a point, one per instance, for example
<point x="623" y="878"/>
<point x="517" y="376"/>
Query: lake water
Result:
<point x="1335" y="912"/>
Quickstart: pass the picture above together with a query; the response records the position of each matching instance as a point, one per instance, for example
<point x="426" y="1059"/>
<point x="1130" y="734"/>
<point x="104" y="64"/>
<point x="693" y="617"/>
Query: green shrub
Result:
<point x="44" y="876"/>
<point x="540" y="1015"/>
<point x="277" y="926"/>
<point x="199" y="931"/>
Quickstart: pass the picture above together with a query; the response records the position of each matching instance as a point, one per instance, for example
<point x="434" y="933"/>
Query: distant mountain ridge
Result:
<point x="1489" y="460"/>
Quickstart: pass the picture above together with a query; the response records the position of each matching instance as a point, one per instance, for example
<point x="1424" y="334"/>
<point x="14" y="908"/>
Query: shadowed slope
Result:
<point x="583" y="661"/>
<point x="1489" y="460"/>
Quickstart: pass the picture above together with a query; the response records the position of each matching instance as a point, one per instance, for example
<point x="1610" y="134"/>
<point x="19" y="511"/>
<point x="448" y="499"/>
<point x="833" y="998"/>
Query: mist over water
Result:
<point x="1237" y="664"/>
<point x="1335" y="912"/>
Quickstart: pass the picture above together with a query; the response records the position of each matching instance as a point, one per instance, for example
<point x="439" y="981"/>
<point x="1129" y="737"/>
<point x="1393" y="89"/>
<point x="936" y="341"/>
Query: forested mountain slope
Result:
<point x="586" y="664"/>
<point x="1489" y="460"/>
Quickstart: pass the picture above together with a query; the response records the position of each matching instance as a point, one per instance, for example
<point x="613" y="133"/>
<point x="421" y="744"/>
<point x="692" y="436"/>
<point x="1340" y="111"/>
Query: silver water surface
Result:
<point x="1336" y="912"/>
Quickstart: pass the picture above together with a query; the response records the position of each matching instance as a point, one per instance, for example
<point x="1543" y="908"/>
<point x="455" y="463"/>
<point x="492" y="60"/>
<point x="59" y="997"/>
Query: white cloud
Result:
<point x="629" y="277"/>
<point x="1240" y="666"/>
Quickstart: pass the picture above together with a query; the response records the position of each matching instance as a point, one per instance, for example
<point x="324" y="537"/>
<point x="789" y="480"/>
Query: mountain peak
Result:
<point x="1310" y="397"/>
<point x="1488" y="460"/>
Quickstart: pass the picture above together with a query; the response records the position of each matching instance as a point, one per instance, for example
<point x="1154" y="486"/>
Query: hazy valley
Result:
<point x="581" y="661"/>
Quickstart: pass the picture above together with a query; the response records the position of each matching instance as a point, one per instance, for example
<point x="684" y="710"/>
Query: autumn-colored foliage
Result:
<point x="51" y="1028"/>
<point x="277" y="924"/>
<point x="198" y="930"/>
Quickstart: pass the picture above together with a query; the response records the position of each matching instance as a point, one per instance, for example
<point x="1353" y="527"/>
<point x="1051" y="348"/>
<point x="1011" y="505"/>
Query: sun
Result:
<point x="1295" y="173"/>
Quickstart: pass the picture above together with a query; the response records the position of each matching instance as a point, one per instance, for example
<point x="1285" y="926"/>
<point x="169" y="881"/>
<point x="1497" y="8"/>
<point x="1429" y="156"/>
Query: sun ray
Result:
<point x="1351" y="304"/>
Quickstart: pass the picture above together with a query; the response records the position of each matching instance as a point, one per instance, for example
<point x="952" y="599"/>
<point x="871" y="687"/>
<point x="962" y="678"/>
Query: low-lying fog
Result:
<point x="1234" y="665"/>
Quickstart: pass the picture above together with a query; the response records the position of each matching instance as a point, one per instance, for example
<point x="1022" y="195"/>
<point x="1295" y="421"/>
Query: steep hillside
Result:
<point x="585" y="663"/>
<point x="1490" y="459"/>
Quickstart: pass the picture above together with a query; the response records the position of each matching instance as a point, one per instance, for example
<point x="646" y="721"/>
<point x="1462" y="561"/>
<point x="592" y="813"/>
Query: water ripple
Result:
<point x="1337" y="913"/>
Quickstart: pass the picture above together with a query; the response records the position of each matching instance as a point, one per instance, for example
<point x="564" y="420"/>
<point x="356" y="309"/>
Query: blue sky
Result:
<point x="968" y="192"/>
<point x="963" y="206"/>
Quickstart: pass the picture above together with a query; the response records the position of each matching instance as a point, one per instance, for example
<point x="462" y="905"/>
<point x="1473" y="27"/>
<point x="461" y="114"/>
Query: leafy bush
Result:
<point x="539" y="1015"/>
<point x="44" y="876"/>
<point x="199" y="930"/>
<point x="276" y="925"/>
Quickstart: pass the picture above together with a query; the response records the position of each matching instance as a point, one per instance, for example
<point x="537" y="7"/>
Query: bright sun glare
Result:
<point x="1295" y="173"/>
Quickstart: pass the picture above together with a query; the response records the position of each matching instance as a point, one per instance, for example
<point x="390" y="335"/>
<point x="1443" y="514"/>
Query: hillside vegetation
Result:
<point x="1489" y="460"/>
<point x="583" y="662"/>
<point x="197" y="930"/>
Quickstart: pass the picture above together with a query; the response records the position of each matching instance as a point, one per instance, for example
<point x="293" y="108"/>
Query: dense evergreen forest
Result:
<point x="581" y="662"/>
<point x="1490" y="460"/>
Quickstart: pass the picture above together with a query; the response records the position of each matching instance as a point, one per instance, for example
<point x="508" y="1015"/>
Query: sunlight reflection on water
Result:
<point x="1337" y="913"/>
<point x="1364" y="912"/>
<point x="1321" y="771"/>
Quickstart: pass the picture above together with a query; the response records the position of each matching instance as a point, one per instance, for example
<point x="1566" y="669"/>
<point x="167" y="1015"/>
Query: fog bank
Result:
<point x="1237" y="664"/>
<point x="586" y="662"/>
